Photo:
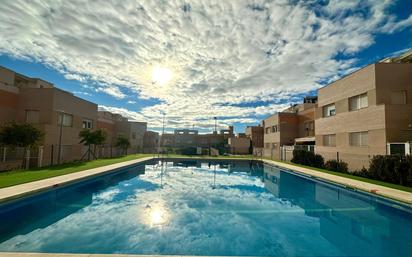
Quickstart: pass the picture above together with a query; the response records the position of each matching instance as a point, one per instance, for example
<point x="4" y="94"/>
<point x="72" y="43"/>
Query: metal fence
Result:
<point x="12" y="158"/>
<point x="18" y="157"/>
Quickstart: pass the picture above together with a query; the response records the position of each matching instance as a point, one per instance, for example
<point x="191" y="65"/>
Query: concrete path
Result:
<point x="14" y="192"/>
<point x="388" y="192"/>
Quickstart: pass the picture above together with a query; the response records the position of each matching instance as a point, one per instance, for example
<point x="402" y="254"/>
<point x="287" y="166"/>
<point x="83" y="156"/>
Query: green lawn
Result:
<point x="372" y="181"/>
<point x="16" y="177"/>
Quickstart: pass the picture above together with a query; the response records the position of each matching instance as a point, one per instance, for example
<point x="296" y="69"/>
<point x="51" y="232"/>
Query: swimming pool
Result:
<point x="206" y="208"/>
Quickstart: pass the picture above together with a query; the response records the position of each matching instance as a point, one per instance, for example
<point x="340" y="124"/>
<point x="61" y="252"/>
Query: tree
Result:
<point x="99" y="138"/>
<point x="90" y="138"/>
<point x="20" y="135"/>
<point x="123" y="143"/>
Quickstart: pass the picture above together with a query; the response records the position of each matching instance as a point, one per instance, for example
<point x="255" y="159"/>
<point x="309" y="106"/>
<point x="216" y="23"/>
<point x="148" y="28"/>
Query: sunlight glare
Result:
<point x="161" y="75"/>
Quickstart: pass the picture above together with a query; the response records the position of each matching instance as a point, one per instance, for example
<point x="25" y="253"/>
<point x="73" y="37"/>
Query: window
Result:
<point x="329" y="140"/>
<point x="134" y="135"/>
<point x="87" y="124"/>
<point x="32" y="116"/>
<point x="67" y="119"/>
<point x="268" y="130"/>
<point x="329" y="110"/>
<point x="358" y="102"/>
<point x="398" y="97"/>
<point x="358" y="138"/>
<point x="275" y="129"/>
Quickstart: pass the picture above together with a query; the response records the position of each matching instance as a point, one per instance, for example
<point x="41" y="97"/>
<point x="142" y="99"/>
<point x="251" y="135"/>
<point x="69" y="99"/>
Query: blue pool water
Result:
<point x="206" y="208"/>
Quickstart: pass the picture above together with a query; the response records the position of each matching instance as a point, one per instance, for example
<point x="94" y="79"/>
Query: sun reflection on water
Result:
<point x="156" y="215"/>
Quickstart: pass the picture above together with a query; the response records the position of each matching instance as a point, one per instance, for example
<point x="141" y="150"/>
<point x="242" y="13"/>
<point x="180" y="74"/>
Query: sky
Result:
<point x="237" y="60"/>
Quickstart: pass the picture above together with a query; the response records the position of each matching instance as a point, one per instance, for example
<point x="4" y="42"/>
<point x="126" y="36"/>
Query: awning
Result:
<point x="304" y="139"/>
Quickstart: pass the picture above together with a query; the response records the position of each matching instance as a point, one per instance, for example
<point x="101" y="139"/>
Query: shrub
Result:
<point x="338" y="166"/>
<point x="391" y="168"/>
<point x="307" y="158"/>
<point x="187" y="151"/>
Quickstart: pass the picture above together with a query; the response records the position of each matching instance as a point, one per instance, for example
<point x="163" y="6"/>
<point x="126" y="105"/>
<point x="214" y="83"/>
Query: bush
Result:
<point x="187" y="151"/>
<point x="391" y="168"/>
<point x="338" y="166"/>
<point x="307" y="158"/>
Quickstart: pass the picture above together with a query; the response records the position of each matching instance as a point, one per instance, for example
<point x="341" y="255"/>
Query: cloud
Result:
<point x="112" y="90"/>
<point x="221" y="53"/>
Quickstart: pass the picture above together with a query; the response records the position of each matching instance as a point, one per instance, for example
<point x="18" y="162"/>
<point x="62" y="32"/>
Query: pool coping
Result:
<point x="377" y="190"/>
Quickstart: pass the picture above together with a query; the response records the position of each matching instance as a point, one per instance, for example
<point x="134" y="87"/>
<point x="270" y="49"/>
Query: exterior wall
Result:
<point x="50" y="102"/>
<point x="395" y="77"/>
<point x="8" y="103"/>
<point x="271" y="139"/>
<point x="137" y="131"/>
<point x="108" y="127"/>
<point x="193" y="139"/>
<point x="116" y="125"/>
<point x="185" y="137"/>
<point x="288" y="128"/>
<point x="305" y="118"/>
<point x="239" y="145"/>
<point x="383" y="120"/>
<point x="150" y="142"/>
<point x="255" y="133"/>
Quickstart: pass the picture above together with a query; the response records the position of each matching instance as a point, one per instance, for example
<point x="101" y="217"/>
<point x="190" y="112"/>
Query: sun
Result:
<point x="161" y="76"/>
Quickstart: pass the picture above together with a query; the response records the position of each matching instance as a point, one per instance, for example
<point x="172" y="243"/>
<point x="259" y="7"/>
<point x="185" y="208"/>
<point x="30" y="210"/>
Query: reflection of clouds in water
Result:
<point x="187" y="216"/>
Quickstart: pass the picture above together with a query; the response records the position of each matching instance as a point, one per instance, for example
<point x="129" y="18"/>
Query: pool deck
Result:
<point x="388" y="192"/>
<point x="15" y="192"/>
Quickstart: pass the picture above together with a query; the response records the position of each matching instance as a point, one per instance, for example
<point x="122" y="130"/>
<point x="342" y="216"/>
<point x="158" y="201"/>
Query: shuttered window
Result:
<point x="358" y="138"/>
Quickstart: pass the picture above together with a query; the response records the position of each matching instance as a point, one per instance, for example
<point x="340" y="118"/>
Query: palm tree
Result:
<point x="123" y="143"/>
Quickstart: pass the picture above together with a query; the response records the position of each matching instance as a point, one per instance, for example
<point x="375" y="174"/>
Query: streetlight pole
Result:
<point x="163" y="131"/>
<point x="60" y="136"/>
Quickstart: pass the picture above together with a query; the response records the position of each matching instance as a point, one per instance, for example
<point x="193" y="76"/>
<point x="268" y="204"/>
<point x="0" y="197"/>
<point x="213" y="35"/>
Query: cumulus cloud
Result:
<point x="220" y="52"/>
<point x="112" y="90"/>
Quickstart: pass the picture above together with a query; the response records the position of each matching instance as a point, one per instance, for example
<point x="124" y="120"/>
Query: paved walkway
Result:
<point x="13" y="192"/>
<point x="396" y="194"/>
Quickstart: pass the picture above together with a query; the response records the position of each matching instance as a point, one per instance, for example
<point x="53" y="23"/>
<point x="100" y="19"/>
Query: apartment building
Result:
<point x="255" y="133"/>
<point x="150" y="142"/>
<point x="192" y="138"/>
<point x="361" y="113"/>
<point x="294" y="125"/>
<point x="59" y="114"/>
<point x="240" y="144"/>
<point x="115" y="125"/>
